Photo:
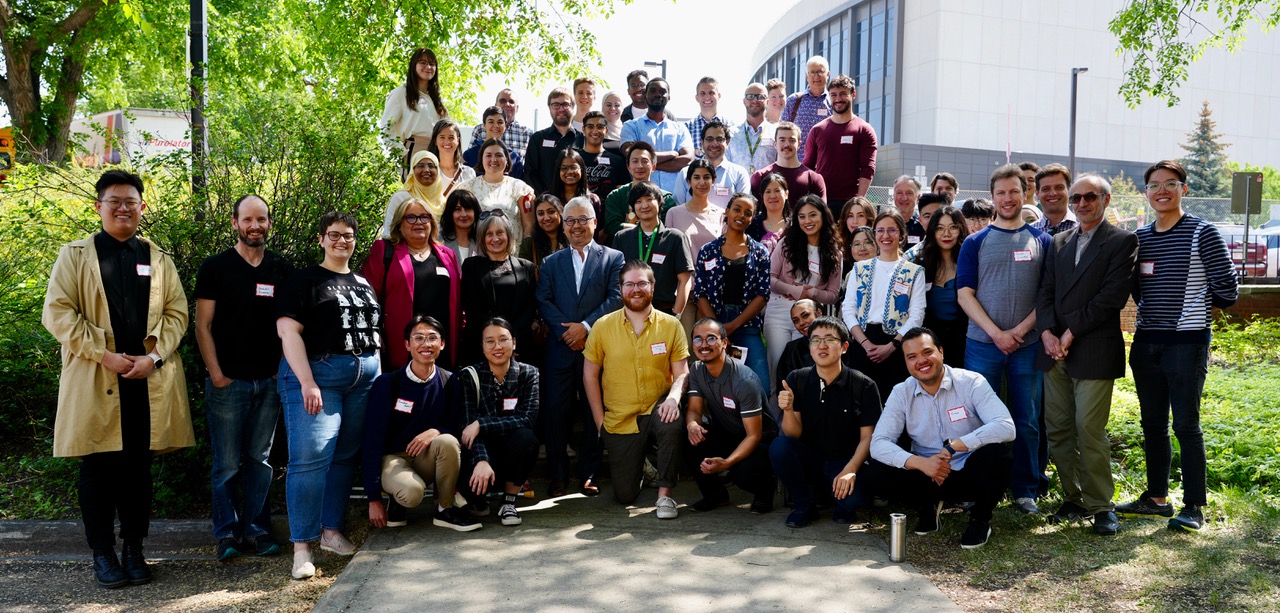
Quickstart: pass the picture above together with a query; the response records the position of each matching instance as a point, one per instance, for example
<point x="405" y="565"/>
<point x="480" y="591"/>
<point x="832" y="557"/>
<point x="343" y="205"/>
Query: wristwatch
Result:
<point x="946" y="444"/>
<point x="155" y="357"/>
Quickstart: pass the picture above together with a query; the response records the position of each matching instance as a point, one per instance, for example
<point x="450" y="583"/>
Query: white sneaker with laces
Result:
<point x="667" y="508"/>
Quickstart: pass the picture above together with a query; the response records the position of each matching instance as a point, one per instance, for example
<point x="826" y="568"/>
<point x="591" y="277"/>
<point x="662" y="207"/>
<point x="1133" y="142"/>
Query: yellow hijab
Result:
<point x="431" y="195"/>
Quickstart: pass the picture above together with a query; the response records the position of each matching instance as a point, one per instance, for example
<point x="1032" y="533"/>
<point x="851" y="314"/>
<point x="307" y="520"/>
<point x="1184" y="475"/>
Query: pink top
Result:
<point x="784" y="282"/>
<point x="701" y="228"/>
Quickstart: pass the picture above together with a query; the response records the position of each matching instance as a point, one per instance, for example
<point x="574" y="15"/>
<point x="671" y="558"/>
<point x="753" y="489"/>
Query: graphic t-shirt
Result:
<point x="339" y="312"/>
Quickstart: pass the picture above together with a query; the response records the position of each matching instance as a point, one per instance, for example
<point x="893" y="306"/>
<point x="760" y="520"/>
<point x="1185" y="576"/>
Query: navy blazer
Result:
<point x="560" y="301"/>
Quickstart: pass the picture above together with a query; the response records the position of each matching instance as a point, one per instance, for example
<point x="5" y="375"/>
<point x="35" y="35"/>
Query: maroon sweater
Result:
<point x="842" y="153"/>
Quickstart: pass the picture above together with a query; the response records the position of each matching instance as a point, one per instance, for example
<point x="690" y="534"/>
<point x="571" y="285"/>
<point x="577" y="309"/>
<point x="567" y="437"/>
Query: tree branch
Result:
<point x="6" y="17"/>
<point x="81" y="16"/>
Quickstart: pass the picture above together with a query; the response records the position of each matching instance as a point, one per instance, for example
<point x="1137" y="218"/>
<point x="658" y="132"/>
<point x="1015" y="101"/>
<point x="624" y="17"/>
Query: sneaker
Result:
<point x="303" y="567"/>
<point x="265" y="545"/>
<point x="1189" y="519"/>
<point x="1026" y="506"/>
<point x="762" y="504"/>
<point x="397" y="515"/>
<point x="454" y="518"/>
<point x="975" y="535"/>
<point x="711" y="503"/>
<point x="478" y="507"/>
<point x="509" y="516"/>
<point x="667" y="508"/>
<point x="338" y="545"/>
<point x="228" y="548"/>
<point x="1069" y="512"/>
<point x="1144" y="505"/>
<point x="801" y="517"/>
<point x="929" y="517"/>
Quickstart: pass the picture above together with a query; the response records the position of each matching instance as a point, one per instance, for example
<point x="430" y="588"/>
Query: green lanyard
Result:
<point x="746" y="134"/>
<point x="645" y="253"/>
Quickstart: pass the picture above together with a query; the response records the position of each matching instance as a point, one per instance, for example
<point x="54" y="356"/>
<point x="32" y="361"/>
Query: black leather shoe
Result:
<point x="1067" y="513"/>
<point x="135" y="566"/>
<point x="106" y="568"/>
<point x="1106" y="523"/>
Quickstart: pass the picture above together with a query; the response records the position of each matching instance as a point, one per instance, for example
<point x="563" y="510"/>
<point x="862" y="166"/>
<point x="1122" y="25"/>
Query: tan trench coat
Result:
<point x="76" y="313"/>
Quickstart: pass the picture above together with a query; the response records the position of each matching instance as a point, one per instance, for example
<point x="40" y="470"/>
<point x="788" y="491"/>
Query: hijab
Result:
<point x="431" y="195"/>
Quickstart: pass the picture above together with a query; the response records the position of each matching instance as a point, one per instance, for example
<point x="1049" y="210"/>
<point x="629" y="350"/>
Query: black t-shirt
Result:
<point x="831" y="416"/>
<point x="339" y="312"/>
<point x="126" y="278"/>
<point x="668" y="252"/>
<point x="244" y="314"/>
<point x="735" y="281"/>
<point x="605" y="171"/>
<point x="431" y="285"/>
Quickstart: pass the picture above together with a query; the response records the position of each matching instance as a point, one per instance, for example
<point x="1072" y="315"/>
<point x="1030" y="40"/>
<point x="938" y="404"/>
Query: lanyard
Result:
<point x="746" y="134"/>
<point x="645" y="253"/>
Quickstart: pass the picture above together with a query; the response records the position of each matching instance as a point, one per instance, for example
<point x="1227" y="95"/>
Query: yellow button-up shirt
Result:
<point x="636" y="368"/>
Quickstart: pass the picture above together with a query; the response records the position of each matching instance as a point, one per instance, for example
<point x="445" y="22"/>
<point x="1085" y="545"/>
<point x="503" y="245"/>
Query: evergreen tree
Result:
<point x="1206" y="160"/>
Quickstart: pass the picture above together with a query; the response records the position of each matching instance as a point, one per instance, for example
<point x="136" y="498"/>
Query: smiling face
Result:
<point x="701" y="182"/>
<point x="570" y="172"/>
<point x="802" y="315"/>
<point x="752" y="102"/>
<point x="637" y="290"/>
<point x="816" y="76"/>
<point x="463" y="219"/>
<point x="775" y="197"/>
<point x="841" y="99"/>
<point x="425" y="344"/>
<point x="585" y="95"/>
<point x="1162" y="198"/>
<point x="640" y="165"/>
<point x="253" y="223"/>
<point x="579" y="225"/>
<point x="947" y="234"/>
<point x="738" y="215"/>
<point x="548" y="217"/>
<point x="888" y="237"/>
<point x="1006" y="195"/>
<point x="777" y="99"/>
<point x="905" y="195"/>
<point x="825" y="346"/>
<point x="714" y="143"/>
<point x="120" y="207"/>
<point x="646" y="208"/>
<point x="494" y="160"/>
<point x="635" y="89"/>
<point x="708" y="97"/>
<point x="924" y="360"/>
<point x="495" y="126"/>
<point x="857" y="218"/>
<point x="593" y="132"/>
<point x="425" y="172"/>
<point x="863" y="247"/>
<point x="498" y="345"/>
<point x="416" y="225"/>
<point x="1029" y="193"/>
<point x="447" y="141"/>
<point x="338" y="242"/>
<point x="509" y="105"/>
<point x="810" y="220"/>
<point x="561" y="108"/>
<point x="1052" y="192"/>
<point x="708" y="343"/>
<point x="496" y="240"/>
<point x="1089" y="213"/>
<point x="425" y="68"/>
<point x="612" y="106"/>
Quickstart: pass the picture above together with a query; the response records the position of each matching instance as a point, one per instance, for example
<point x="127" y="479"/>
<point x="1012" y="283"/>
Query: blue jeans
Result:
<point x="323" y="448"/>
<point x="803" y="473"/>
<point x="749" y="338"/>
<point x="1171" y="378"/>
<point x="1023" y="396"/>
<point x="242" y="425"/>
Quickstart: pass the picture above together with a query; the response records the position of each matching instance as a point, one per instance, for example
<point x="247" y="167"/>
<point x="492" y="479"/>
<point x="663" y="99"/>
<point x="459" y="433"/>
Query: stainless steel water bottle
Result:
<point x="897" y="537"/>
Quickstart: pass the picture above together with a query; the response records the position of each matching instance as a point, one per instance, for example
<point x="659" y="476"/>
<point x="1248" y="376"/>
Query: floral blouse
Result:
<point x="708" y="276"/>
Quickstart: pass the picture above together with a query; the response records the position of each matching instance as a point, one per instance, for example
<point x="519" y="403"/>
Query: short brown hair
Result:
<point x="1050" y="170"/>
<point x="773" y="84"/>
<point x="1032" y="166"/>
<point x="1173" y="166"/>
<point x="842" y="81"/>
<point x="1008" y="171"/>
<point x="557" y="92"/>
<point x="580" y="80"/>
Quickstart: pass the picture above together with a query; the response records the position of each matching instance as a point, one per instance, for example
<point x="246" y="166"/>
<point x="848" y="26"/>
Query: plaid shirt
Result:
<point x="491" y="408"/>
<point x="516" y="137"/>
<point x="695" y="130"/>
<point x="1068" y="222"/>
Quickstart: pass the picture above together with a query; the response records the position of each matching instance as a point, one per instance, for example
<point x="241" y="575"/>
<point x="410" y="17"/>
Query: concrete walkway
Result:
<point x="591" y="554"/>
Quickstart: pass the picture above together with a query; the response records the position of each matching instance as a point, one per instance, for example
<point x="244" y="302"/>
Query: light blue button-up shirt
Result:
<point x="965" y="407"/>
<point x="665" y="136"/>
<point x="730" y="179"/>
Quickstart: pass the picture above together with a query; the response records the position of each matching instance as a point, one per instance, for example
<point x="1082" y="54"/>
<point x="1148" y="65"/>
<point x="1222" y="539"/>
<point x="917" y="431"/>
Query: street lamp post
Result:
<point x="662" y="64"/>
<point x="1075" y="75"/>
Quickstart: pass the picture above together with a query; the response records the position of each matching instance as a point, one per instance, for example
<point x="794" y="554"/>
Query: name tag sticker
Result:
<point x="957" y="414"/>
<point x="442" y="271"/>
<point x="728" y="402"/>
<point x="815" y="268"/>
<point x="602" y="161"/>
<point x="722" y="190"/>
<point x="144" y="270"/>
<point x="658" y="258"/>
<point x="509" y="404"/>
<point x="264" y="290"/>
<point x="766" y="141"/>
<point x="1147" y="268"/>
<point x="709" y="264"/>
<point x="821" y="112"/>
<point x="846" y="140"/>
<point x="404" y="406"/>
<point x="1022" y="255"/>
<point x="658" y="348"/>
<point x="901" y="288"/>
<point x="911" y="240"/>
<point x="546" y="142"/>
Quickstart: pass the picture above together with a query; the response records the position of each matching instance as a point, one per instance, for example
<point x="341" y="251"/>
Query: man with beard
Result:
<point x="801" y="180"/>
<point x="842" y="147"/>
<point x="730" y="178"/>
<point x="545" y="145"/>
<point x="751" y="144"/>
<point x="605" y="170"/>
<point x="575" y="289"/>
<point x="671" y="139"/>
<point x="666" y="250"/>
<point x="641" y="353"/>
<point x="236" y="329"/>
<point x="1052" y="183"/>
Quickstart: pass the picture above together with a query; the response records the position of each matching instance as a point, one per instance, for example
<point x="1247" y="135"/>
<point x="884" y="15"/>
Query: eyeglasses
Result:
<point x="122" y="204"/>
<point x="641" y="285"/>
<point x="490" y="343"/>
<point x="823" y="341"/>
<point x="755" y="97"/>
<point x="814" y="73"/>
<point x="709" y="339"/>
<point x="349" y="237"/>
<point x="594" y="126"/>
<point x="560" y="105"/>
<point x="1090" y="197"/>
<point x="416" y="220"/>
<point x="421" y="339"/>
<point x="715" y="139"/>
<point x="886" y="231"/>
<point x="492" y="213"/>
<point x="571" y="221"/>
<point x="857" y="244"/>
<point x="1170" y="185"/>
<point x="569" y="168"/>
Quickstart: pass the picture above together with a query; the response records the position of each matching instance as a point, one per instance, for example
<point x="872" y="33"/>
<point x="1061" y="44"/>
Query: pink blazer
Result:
<point x="397" y="298"/>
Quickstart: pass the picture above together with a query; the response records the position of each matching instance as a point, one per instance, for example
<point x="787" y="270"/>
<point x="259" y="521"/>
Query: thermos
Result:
<point x="897" y="537"/>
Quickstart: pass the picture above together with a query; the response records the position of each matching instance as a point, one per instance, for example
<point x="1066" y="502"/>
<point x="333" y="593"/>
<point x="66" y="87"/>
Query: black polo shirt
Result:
<point x="669" y="254"/>
<point x="831" y="416"/>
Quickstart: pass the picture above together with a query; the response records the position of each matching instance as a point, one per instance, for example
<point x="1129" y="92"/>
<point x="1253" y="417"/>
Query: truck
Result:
<point x="134" y="134"/>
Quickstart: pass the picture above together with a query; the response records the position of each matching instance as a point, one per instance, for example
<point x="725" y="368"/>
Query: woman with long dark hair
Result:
<point x="548" y="235"/>
<point x="771" y="219"/>
<point x="458" y="224"/>
<point x="446" y="144"/>
<point x="412" y="110"/>
<point x="805" y="263"/>
<point x="858" y="212"/>
<point x="942" y="239"/>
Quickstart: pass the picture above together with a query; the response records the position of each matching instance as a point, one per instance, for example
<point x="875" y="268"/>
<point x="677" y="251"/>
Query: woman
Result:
<point x="770" y="222"/>
<point x="946" y="232"/>
<point x="862" y="246"/>
<point x="495" y="283"/>
<point x="584" y="95"/>
<point x="731" y="284"/>
<point x="806" y="263"/>
<point x="423" y="185"/>
<point x="446" y="144"/>
<point x="413" y="109"/>
<point x="569" y="184"/>
<point x="612" y="106"/>
<point x="495" y="126"/>
<point x="549" y="237"/>
<point x="328" y="326"/>
<point x="1030" y="214"/>
<point x="458" y="230"/>
<point x="858" y="212"/>
<point x="500" y="415"/>
<point x="497" y="191"/>
<point x="414" y="275"/>
<point x="885" y="298"/>
<point x="699" y="219"/>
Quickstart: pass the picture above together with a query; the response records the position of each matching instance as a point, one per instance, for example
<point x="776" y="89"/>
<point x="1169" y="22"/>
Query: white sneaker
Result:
<point x="509" y="516"/>
<point x="338" y="545"/>
<point x="303" y="567"/>
<point x="667" y="508"/>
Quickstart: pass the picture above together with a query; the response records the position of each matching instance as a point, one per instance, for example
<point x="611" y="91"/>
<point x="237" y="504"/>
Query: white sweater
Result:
<point x="399" y="122"/>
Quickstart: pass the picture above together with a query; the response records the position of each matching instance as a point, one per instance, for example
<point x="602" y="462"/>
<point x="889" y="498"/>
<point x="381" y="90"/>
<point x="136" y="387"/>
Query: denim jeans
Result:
<point x="807" y="476"/>
<point x="1171" y="377"/>
<point x="1023" y="397"/>
<point x="324" y="448"/>
<point x="242" y="425"/>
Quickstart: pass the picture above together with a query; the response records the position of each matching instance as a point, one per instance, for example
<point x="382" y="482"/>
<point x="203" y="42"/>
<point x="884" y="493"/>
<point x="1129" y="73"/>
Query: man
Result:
<point x="639" y="107"/>
<point x="617" y="212"/>
<point x="236" y="329"/>
<point x="927" y="206"/>
<point x="998" y="280"/>
<point x="955" y="423"/>
<point x="730" y="178"/>
<point x="411" y="431"/>
<point x="796" y="354"/>
<point x="708" y="98"/>
<point x="726" y="425"/>
<point x="641" y="353"/>
<point x="575" y="289"/>
<point x="115" y="304"/>
<point x="801" y="179"/>
<point x="944" y="183"/>
<point x="977" y="213"/>
<point x="1184" y="270"/>
<point x="807" y="108"/>
<point x="670" y="139"/>
<point x="666" y="250"/>
<point x="1029" y="171"/>
<point x="1086" y="283"/>
<point x="777" y="91"/>
<point x="842" y="147"/>
<point x="545" y="145"/>
<point x="517" y="135"/>
<point x="605" y="169"/>
<point x="584" y="94"/>
<point x="828" y="413"/>
<point x="751" y="144"/>
<point x="906" y="193"/>
<point x="495" y="127"/>
<point x="1052" y="183"/>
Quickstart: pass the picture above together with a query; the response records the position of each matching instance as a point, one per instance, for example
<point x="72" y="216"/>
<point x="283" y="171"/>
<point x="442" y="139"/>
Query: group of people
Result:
<point x="732" y="312"/>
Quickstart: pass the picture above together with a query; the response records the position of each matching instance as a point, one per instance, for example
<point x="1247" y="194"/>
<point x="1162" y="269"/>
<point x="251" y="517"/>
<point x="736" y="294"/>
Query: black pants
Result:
<point x="753" y="474"/>
<point x="511" y="456"/>
<point x="983" y="480"/>
<point x="887" y="373"/>
<point x="118" y="483"/>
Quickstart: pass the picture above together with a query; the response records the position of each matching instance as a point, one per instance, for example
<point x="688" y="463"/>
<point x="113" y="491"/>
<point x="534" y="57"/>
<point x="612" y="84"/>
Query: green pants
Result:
<point x="1075" y="418"/>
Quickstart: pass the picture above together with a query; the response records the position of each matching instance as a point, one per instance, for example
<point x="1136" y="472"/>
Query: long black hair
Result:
<point x="464" y="199"/>
<point x="930" y="255"/>
<point x="757" y="230"/>
<point x="795" y="243"/>
<point x="411" y="93"/>
<point x="557" y="184"/>
<point x="540" y="239"/>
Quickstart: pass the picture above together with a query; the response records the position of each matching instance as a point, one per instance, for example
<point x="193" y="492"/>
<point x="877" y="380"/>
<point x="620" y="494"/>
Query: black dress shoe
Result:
<point x="135" y="566"/>
<point x="1106" y="523"/>
<point x="106" y="568"/>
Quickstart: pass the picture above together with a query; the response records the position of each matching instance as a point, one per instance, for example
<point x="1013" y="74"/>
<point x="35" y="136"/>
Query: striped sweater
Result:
<point x="1182" y="273"/>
